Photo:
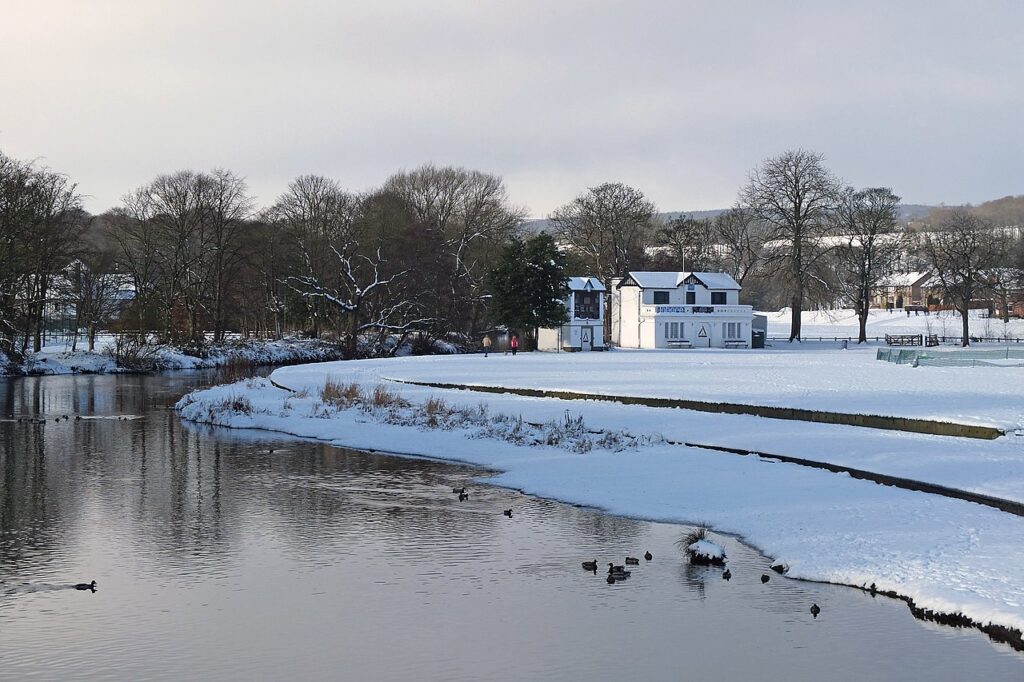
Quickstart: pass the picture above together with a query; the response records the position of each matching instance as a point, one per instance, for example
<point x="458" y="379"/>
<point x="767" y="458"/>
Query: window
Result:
<point x="674" y="330"/>
<point x="733" y="330"/>
<point x="660" y="298"/>
<point x="586" y="305"/>
<point x="717" y="298"/>
<point x="691" y="297"/>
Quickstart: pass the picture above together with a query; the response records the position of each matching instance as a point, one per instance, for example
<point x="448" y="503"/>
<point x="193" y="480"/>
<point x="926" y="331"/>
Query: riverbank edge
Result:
<point x="170" y="359"/>
<point x="1012" y="637"/>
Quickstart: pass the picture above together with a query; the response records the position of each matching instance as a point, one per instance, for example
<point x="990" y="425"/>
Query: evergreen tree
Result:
<point x="529" y="285"/>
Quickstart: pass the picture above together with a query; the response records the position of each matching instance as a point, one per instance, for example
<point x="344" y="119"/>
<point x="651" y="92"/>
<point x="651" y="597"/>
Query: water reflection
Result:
<point x="216" y="557"/>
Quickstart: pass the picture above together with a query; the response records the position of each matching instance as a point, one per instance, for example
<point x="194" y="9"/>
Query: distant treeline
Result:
<point x="190" y="257"/>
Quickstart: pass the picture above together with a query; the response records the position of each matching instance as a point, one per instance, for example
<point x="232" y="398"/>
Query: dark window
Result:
<point x="660" y="298"/>
<point x="691" y="297"/>
<point x="586" y="305"/>
<point x="717" y="298"/>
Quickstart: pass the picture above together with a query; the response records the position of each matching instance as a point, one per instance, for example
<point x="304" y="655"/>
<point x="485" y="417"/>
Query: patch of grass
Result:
<point x="340" y="394"/>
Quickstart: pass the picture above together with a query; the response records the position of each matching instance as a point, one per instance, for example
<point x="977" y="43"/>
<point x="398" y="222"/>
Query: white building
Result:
<point x="679" y="310"/>
<point x="585" y="328"/>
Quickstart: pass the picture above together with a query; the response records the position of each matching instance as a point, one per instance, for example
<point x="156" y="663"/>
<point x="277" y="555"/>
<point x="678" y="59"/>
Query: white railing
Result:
<point x="655" y="310"/>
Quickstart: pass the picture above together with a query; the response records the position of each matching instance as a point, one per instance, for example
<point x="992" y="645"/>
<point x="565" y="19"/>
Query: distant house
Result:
<point x="585" y="328"/>
<point x="903" y="289"/>
<point x="679" y="310"/>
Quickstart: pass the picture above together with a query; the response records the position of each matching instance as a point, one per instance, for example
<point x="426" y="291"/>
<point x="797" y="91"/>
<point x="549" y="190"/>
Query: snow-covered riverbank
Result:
<point x="947" y="555"/>
<point x="58" y="359"/>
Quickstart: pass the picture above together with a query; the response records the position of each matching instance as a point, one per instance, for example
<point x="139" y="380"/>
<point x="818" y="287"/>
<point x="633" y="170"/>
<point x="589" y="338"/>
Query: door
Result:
<point x="586" y="338"/>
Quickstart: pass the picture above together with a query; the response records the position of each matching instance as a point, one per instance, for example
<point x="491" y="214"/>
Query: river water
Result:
<point x="225" y="554"/>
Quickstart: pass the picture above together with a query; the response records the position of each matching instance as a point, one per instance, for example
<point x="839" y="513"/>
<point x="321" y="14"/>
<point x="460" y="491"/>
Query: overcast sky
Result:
<point x="679" y="99"/>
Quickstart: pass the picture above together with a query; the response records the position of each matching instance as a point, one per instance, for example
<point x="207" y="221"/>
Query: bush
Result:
<point x="339" y="394"/>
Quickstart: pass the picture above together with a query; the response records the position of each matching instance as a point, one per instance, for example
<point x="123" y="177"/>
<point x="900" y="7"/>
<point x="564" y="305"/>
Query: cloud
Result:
<point x="679" y="99"/>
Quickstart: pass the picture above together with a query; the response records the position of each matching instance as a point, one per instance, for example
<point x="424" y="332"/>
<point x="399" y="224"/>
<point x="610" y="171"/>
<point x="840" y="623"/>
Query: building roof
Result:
<point x="903" y="279"/>
<point x="585" y="284"/>
<point x="671" y="280"/>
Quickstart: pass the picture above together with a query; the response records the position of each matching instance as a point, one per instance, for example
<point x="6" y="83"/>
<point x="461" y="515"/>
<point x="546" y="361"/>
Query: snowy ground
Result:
<point x="946" y="554"/>
<point x="843" y="324"/>
<point x="811" y="376"/>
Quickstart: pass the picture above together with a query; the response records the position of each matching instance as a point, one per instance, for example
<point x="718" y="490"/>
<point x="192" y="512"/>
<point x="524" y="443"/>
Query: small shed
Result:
<point x="585" y="329"/>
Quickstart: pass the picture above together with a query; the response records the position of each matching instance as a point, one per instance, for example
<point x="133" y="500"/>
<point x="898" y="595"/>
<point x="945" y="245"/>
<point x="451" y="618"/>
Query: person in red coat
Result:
<point x="514" y="344"/>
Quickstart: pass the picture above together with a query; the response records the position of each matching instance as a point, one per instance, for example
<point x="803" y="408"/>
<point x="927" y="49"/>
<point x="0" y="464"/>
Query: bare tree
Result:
<point x="740" y="238"/>
<point x="466" y="218"/>
<point x="690" y="243"/>
<point x="870" y="248"/>
<point x="961" y="250"/>
<point x="609" y="225"/>
<point x="794" y="195"/>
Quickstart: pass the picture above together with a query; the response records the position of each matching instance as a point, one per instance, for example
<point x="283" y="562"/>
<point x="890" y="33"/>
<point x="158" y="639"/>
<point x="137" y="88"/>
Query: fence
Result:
<point x="947" y="340"/>
<point x="996" y="357"/>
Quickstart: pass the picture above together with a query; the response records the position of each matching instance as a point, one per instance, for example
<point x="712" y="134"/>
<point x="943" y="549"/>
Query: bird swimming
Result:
<point x="460" y="491"/>
<point x="463" y="497"/>
<point x="508" y="513"/>
<point x="590" y="565"/>
<point x="815" y="610"/>
<point x="611" y="579"/>
<point x="86" y="586"/>
<point x="618" y="572"/>
<point x="632" y="561"/>
<point x="648" y="556"/>
<point x="764" y="578"/>
<point x="727" y="574"/>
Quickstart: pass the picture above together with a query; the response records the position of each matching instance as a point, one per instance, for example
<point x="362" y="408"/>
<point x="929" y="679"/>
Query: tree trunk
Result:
<point x="798" y="304"/>
<point x="1004" y="306"/>
<point x="963" y="313"/>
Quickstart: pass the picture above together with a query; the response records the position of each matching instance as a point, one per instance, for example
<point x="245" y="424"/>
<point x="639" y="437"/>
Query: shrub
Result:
<point x="339" y="394"/>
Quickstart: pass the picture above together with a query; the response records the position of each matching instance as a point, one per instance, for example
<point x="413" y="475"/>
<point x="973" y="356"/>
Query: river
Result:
<point x="225" y="554"/>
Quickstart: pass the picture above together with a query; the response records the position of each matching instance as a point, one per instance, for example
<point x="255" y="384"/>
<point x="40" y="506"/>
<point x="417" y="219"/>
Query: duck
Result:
<point x="727" y="574"/>
<point x="873" y="589"/>
<point x="508" y="513"/>
<point x="86" y="586"/>
<point x="815" y="610"/>
<point x="590" y="565"/>
<point x="463" y="497"/>
<point x="459" y="491"/>
<point x="611" y="579"/>
<point x="618" y="572"/>
<point x="764" y="578"/>
<point x="632" y="561"/>
<point x="648" y="556"/>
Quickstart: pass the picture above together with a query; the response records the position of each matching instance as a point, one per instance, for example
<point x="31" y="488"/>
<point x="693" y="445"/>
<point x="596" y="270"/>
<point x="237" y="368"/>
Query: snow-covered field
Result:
<point x="946" y="554"/>
<point x="842" y="323"/>
<point x="810" y="376"/>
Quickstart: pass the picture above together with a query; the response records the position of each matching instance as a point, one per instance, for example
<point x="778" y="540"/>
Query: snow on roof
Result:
<point x="580" y="284"/>
<point x="902" y="279"/>
<point x="671" y="280"/>
<point x="657" y="280"/>
<point x="717" y="280"/>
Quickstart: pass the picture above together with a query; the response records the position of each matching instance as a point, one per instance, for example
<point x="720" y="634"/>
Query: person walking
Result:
<point x="487" y="344"/>
<point x="514" y="344"/>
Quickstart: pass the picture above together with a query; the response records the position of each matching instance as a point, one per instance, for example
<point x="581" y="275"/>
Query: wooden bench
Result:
<point x="904" y="340"/>
<point x="735" y="344"/>
<point x="680" y="343"/>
